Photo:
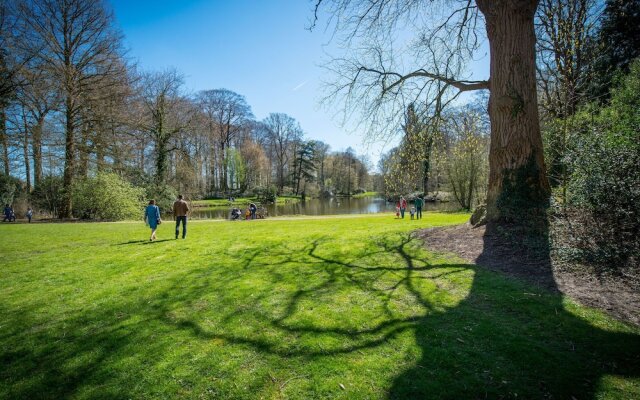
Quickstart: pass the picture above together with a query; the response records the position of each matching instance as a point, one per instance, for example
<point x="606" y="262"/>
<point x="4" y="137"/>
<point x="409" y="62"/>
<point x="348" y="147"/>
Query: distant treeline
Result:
<point x="72" y="105"/>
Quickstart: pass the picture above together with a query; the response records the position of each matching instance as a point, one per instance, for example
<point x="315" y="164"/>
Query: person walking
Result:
<point x="180" y="210"/>
<point x="29" y="214"/>
<point x="419" y="203"/>
<point x="8" y="212"/>
<point x="403" y="206"/>
<point x="253" y="208"/>
<point x="152" y="218"/>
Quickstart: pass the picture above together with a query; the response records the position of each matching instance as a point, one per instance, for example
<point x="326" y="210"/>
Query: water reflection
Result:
<point x="332" y="206"/>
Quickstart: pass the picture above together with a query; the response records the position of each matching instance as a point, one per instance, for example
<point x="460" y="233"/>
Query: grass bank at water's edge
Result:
<point x="365" y="194"/>
<point x="240" y="202"/>
<point x="351" y="308"/>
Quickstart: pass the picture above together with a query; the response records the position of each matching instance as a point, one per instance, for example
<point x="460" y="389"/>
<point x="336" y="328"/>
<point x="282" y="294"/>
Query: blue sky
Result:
<point x="260" y="49"/>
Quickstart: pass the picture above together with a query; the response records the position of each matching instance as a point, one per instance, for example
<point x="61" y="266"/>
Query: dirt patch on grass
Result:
<point x="514" y="257"/>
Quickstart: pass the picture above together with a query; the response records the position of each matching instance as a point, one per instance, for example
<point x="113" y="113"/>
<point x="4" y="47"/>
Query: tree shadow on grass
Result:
<point x="477" y="334"/>
<point x="507" y="339"/>
<point x="503" y="339"/>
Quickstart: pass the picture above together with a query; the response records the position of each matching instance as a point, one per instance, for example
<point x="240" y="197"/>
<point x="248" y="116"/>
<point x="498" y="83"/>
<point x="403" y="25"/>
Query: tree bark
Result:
<point x="161" y="160"/>
<point x="4" y="142"/>
<point x="84" y="150"/>
<point x="223" y="168"/>
<point x="25" y="152"/>
<point x="426" y="165"/>
<point x="518" y="186"/>
<point x="36" y="146"/>
<point x="69" y="159"/>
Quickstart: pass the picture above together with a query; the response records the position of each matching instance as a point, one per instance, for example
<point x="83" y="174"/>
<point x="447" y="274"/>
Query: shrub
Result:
<point x="267" y="194"/>
<point x="107" y="197"/>
<point x="10" y="188"/>
<point x="601" y="222"/>
<point x="48" y="195"/>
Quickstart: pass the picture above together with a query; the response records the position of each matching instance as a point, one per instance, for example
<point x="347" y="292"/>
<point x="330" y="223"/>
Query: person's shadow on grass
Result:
<point x="143" y="242"/>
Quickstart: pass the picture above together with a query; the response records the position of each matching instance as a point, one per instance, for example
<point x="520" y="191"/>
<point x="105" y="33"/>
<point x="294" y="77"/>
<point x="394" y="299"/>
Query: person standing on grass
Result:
<point x="403" y="206"/>
<point x="180" y="210"/>
<point x="152" y="218"/>
<point x="29" y="214"/>
<point x="419" y="203"/>
<point x="8" y="211"/>
<point x="253" y="209"/>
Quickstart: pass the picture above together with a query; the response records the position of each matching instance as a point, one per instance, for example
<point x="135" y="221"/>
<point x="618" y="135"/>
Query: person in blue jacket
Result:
<point x="8" y="213"/>
<point x="152" y="218"/>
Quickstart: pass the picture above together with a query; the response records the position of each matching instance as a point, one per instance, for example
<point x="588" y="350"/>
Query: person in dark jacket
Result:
<point x="180" y="211"/>
<point x="419" y="203"/>
<point x="8" y="213"/>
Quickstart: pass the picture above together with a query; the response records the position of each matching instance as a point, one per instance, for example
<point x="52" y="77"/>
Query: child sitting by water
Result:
<point x="412" y="212"/>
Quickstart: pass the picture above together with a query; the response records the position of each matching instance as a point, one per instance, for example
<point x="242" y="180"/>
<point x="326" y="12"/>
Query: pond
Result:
<point x="331" y="206"/>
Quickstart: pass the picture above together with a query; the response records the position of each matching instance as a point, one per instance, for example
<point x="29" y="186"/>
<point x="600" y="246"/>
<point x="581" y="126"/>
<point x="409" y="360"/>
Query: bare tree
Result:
<point x="284" y="131"/>
<point x="255" y="162"/>
<point x="37" y="98"/>
<point x="12" y="59"/>
<point x="228" y="115"/>
<point x="420" y="135"/>
<point x="321" y="154"/>
<point x="380" y="79"/>
<point x="564" y="29"/>
<point x="80" y="45"/>
<point x="165" y="114"/>
<point x="466" y="164"/>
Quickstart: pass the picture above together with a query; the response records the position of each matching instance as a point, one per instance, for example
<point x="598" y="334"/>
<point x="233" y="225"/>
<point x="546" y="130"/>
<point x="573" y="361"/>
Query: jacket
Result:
<point x="180" y="208"/>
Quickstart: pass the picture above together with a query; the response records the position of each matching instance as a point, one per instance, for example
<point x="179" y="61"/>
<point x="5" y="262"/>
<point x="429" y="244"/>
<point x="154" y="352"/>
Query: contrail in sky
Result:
<point x="299" y="86"/>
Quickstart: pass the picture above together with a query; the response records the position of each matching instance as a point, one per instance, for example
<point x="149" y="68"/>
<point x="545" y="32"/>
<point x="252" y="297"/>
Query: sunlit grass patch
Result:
<point x="334" y="307"/>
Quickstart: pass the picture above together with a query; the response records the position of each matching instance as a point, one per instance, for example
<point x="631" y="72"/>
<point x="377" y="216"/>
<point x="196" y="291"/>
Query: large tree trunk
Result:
<point x="4" y="142"/>
<point x="100" y="145"/>
<point x="518" y="186"/>
<point x="161" y="160"/>
<point x="25" y="152"/>
<point x="426" y="165"/>
<point x="69" y="159"/>
<point x="36" y="148"/>
<point x="223" y="169"/>
<point x="84" y="151"/>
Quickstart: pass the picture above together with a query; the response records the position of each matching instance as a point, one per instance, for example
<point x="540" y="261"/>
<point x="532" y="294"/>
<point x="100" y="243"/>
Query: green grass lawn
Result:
<point x="340" y="308"/>
<point x="365" y="194"/>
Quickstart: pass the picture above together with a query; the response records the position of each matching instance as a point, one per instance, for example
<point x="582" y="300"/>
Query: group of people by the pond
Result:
<point x="250" y="213"/>
<point x="180" y="211"/>
<point x="10" y="215"/>
<point x="415" y="211"/>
